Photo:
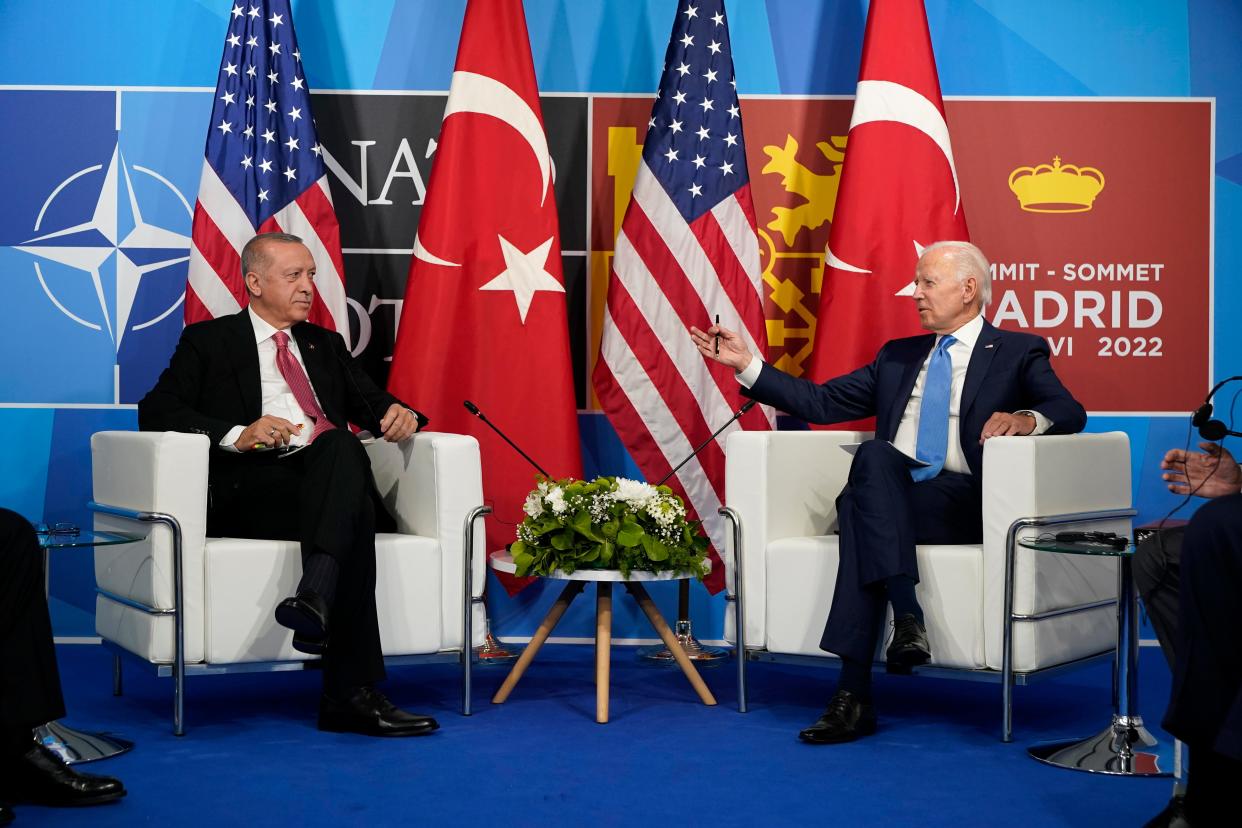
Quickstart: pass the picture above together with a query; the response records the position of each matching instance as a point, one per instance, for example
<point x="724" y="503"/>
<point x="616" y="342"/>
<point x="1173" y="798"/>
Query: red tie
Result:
<point x="292" y="371"/>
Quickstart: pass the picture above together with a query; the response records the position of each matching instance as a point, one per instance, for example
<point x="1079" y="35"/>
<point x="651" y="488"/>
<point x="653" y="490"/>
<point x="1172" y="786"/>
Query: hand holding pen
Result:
<point x="267" y="432"/>
<point x="722" y="345"/>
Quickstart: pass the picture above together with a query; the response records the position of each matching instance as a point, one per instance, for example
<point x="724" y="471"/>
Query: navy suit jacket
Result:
<point x="1008" y="372"/>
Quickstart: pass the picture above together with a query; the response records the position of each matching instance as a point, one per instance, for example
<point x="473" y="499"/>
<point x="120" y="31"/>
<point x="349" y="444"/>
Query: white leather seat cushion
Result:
<point x="802" y="574"/>
<point x="246" y="579"/>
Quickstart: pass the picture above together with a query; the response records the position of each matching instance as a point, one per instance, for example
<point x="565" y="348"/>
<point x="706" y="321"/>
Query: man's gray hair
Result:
<point x="254" y="255"/>
<point x="966" y="260"/>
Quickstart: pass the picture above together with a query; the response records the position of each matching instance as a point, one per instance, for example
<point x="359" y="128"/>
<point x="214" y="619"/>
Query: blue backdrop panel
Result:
<point x="25" y="443"/>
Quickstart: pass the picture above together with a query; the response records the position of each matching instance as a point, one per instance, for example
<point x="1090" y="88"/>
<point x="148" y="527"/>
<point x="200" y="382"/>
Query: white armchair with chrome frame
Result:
<point x="994" y="611"/>
<point x="187" y="604"/>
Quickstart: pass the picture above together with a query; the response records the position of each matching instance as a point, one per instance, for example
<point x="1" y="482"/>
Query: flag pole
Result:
<point x="491" y="651"/>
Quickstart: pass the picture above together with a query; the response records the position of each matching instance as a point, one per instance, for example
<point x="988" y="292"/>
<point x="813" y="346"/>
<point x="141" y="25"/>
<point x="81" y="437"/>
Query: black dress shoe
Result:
<point x="1173" y="815"/>
<point x="42" y="778"/>
<point x="6" y="814"/>
<point x="369" y="712"/>
<point x="909" y="648"/>
<point x="307" y="615"/>
<point x="845" y="720"/>
<point x="310" y="646"/>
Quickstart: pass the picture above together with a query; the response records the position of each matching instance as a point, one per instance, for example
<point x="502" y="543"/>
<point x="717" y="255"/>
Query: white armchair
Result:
<point x="993" y="610"/>
<point x="189" y="604"/>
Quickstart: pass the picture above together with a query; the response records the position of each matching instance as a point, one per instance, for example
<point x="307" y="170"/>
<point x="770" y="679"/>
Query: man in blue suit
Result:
<point x="936" y="399"/>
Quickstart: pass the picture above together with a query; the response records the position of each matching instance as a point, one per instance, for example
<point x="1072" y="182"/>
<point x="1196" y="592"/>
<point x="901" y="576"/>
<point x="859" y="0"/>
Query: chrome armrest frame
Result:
<point x="175" y="611"/>
<point x="1011" y="547"/>
<point x="467" y="602"/>
<point x="739" y="605"/>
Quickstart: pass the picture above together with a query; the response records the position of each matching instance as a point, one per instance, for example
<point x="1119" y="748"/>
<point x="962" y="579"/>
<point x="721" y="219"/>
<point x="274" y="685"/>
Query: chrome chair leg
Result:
<point x="739" y="605"/>
<point x="116" y="675"/>
<point x="467" y="601"/>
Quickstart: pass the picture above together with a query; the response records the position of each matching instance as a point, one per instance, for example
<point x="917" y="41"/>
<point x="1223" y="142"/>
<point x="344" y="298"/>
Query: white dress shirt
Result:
<point x="278" y="399"/>
<point x="908" y="430"/>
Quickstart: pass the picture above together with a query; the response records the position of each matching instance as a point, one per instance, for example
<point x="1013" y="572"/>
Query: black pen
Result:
<point x="717" y="334"/>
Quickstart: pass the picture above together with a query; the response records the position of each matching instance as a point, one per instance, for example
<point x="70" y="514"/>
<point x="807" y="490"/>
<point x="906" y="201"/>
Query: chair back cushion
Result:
<point x="785" y="485"/>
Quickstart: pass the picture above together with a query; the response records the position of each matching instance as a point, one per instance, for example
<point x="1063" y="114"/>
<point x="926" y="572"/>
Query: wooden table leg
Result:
<point x="666" y="635"/>
<point x="568" y="594"/>
<point x="603" y="648"/>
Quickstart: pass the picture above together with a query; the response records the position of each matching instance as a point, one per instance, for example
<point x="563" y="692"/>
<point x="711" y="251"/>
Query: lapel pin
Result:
<point x="312" y="347"/>
<point x="985" y="347"/>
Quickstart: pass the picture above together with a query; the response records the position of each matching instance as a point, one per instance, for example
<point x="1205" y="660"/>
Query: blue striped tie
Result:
<point x="933" y="437"/>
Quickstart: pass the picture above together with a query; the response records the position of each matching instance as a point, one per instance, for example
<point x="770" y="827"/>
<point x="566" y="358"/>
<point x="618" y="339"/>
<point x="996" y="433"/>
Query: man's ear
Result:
<point x="970" y="289"/>
<point x="252" y="283"/>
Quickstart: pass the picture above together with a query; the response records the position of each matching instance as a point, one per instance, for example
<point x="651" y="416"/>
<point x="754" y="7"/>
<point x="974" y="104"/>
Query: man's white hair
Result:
<point x="966" y="260"/>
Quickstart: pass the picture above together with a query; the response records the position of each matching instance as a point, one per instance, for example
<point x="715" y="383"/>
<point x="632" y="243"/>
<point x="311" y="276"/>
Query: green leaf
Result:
<point x="517" y="548"/>
<point x="582" y="523"/>
<point x="631" y="534"/>
<point x="563" y="540"/>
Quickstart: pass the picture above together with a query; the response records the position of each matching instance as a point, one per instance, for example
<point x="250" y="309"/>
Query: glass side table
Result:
<point x="1125" y="747"/>
<point x="70" y="744"/>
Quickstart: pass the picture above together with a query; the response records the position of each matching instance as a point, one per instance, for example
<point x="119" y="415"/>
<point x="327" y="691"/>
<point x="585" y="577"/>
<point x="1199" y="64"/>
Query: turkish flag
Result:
<point x="484" y="317"/>
<point x="899" y="193"/>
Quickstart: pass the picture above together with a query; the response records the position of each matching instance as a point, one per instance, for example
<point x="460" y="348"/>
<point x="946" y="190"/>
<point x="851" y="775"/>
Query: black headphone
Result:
<point x="1210" y="429"/>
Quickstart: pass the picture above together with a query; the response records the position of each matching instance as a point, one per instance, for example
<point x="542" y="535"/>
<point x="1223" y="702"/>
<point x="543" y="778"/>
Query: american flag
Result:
<point x="687" y="251"/>
<point x="263" y="169"/>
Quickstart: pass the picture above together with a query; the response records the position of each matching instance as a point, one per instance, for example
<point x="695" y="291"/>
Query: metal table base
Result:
<point x="1125" y="747"/>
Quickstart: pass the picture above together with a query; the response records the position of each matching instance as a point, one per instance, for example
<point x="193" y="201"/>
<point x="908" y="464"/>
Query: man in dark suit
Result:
<point x="30" y="684"/>
<point x="275" y="393"/>
<point x="936" y="399"/>
<point x="1203" y="645"/>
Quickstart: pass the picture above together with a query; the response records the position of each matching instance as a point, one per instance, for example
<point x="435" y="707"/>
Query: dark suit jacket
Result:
<point x="1008" y="372"/>
<point x="212" y="384"/>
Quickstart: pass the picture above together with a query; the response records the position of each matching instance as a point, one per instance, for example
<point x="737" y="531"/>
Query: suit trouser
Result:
<point x="882" y="514"/>
<point x="1205" y="707"/>
<point x="1157" y="576"/>
<point x="322" y="496"/>
<point x="29" y="680"/>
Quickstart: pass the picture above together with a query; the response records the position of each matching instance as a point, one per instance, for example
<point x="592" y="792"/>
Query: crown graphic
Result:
<point x="1056" y="188"/>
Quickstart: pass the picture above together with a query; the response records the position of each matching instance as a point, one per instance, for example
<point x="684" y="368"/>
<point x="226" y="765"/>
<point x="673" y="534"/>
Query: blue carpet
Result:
<point x="252" y="753"/>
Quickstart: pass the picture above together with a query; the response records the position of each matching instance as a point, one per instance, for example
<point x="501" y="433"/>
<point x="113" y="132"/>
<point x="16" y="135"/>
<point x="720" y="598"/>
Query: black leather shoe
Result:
<point x="6" y="814"/>
<point x="369" y="712"/>
<point x="845" y="720"/>
<point x="310" y="646"/>
<point x="1173" y="815"/>
<point x="40" y="777"/>
<point x="909" y="648"/>
<point x="306" y="614"/>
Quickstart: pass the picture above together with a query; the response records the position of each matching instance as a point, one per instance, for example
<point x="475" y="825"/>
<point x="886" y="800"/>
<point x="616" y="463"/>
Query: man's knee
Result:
<point x="877" y="455"/>
<point x="341" y="444"/>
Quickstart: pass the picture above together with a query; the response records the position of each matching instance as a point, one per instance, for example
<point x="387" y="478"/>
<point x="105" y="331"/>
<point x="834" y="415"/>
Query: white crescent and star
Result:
<point x="880" y="101"/>
<point x="525" y="273"/>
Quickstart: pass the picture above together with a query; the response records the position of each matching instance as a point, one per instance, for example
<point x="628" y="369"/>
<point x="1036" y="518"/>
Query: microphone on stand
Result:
<point x="474" y="409"/>
<point x="747" y="406"/>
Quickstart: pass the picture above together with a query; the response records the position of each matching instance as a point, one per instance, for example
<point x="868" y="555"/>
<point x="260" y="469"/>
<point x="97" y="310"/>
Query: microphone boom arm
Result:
<point x="474" y="409"/>
<point x="747" y="406"/>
